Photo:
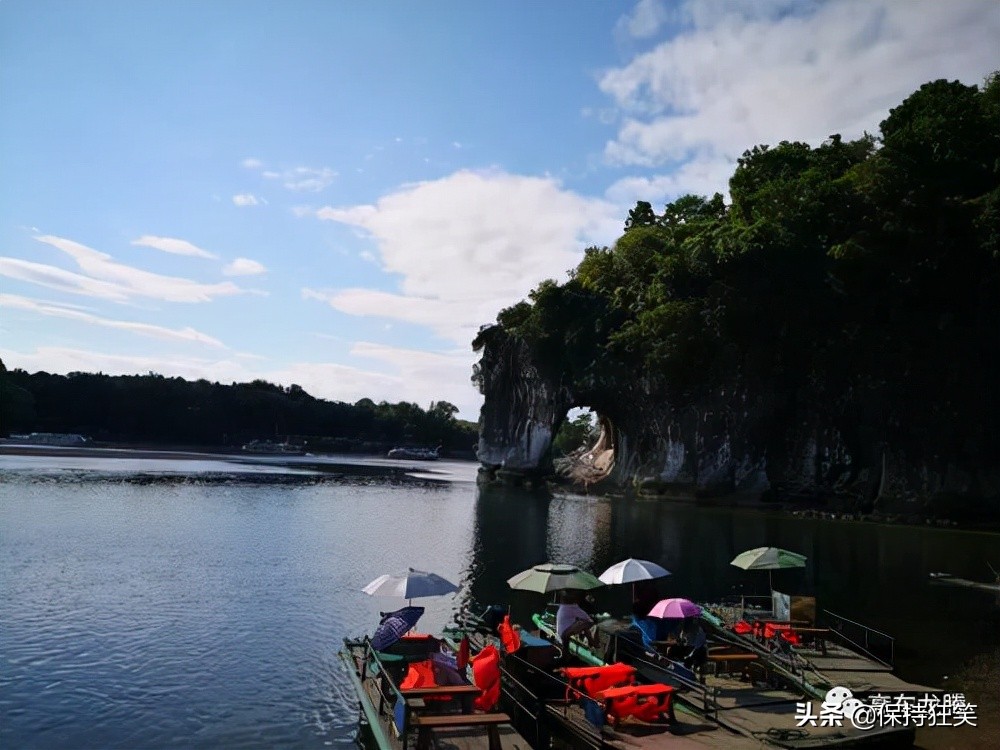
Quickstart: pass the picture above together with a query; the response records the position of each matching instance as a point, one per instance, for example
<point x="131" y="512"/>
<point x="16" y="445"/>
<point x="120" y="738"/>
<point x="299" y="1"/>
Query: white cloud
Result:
<point x="51" y="309"/>
<point x="303" y="179"/>
<point x="645" y="19"/>
<point x="245" y="199"/>
<point x="61" y="280"/>
<point x="749" y="73"/>
<point x="703" y="175"/>
<point x="65" y="360"/>
<point x="469" y="244"/>
<point x="244" y="267"/>
<point x="408" y="375"/>
<point x="102" y="277"/>
<point x="172" y="246"/>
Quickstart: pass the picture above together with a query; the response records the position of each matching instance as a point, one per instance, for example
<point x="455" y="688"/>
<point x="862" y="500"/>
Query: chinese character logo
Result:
<point x="840" y="705"/>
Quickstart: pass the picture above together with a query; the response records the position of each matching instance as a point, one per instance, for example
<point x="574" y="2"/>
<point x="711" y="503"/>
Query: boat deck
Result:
<point x="687" y="733"/>
<point x="861" y="674"/>
<point x="379" y="714"/>
<point x="747" y="694"/>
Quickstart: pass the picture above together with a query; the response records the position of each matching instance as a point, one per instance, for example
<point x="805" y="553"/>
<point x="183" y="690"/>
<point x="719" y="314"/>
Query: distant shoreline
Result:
<point x="30" y="449"/>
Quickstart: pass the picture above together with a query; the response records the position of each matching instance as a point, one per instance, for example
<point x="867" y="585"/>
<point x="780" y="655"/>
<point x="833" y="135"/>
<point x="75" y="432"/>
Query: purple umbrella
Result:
<point x="394" y="625"/>
<point x="675" y="608"/>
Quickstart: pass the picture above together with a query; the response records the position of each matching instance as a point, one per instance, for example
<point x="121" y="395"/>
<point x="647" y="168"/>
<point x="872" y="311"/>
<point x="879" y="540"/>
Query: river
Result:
<point x="164" y="603"/>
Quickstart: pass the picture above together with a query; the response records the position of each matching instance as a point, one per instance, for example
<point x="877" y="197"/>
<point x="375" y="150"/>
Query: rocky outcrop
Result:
<point x="739" y="439"/>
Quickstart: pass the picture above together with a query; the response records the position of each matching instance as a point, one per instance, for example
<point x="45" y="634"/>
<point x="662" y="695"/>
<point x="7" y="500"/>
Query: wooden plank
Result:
<point x="437" y="690"/>
<point x="458" y="720"/>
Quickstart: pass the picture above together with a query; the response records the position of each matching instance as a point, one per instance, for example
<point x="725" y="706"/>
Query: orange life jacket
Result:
<point x="508" y="635"/>
<point x="592" y="680"/>
<point x="644" y="702"/>
<point x="486" y="676"/>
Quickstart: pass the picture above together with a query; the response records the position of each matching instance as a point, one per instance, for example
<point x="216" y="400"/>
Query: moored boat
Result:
<point x="414" y="454"/>
<point x="588" y="707"/>
<point x="412" y="694"/>
<point x="273" y="448"/>
<point x="740" y="687"/>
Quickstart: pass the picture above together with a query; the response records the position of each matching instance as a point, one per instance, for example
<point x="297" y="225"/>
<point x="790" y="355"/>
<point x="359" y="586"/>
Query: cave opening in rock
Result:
<point x="584" y="447"/>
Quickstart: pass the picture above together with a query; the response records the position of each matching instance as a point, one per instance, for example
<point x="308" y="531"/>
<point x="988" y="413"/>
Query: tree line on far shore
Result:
<point x="156" y="410"/>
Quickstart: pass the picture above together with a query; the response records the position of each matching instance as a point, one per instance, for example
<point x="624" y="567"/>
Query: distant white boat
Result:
<point x="273" y="448"/>
<point x="54" y="438"/>
<point x="414" y="454"/>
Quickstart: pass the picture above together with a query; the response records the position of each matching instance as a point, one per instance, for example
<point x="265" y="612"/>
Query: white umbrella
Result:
<point x="410" y="584"/>
<point x="768" y="558"/>
<point x="632" y="571"/>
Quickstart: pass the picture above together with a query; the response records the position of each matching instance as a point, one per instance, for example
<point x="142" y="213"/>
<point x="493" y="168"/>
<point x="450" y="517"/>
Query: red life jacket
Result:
<point x="592" y="680"/>
<point x="486" y="676"/>
<point x="644" y="702"/>
<point x="508" y="635"/>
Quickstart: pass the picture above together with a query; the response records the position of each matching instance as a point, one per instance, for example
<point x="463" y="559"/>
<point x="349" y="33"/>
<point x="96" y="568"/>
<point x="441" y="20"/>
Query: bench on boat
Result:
<point x="727" y="659"/>
<point x="415" y="696"/>
<point x="427" y="723"/>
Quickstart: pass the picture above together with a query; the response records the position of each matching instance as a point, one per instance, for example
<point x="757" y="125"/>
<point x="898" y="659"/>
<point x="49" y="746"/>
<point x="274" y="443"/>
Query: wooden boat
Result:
<point x="740" y="688"/>
<point x="546" y="695"/>
<point x="404" y="710"/>
<point x="816" y="659"/>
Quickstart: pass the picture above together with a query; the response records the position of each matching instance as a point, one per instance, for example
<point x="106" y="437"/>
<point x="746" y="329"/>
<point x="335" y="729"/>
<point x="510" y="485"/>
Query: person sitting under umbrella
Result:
<point x="695" y="643"/>
<point x="571" y="619"/>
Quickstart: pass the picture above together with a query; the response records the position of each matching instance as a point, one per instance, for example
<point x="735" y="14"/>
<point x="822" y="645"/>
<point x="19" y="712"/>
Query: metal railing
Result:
<point x="865" y="639"/>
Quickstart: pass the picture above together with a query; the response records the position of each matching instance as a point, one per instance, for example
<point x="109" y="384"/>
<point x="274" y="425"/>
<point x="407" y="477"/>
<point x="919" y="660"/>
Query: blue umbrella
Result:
<point x="394" y="625"/>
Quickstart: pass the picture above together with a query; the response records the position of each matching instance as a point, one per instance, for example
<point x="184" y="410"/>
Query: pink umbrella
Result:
<point x="675" y="608"/>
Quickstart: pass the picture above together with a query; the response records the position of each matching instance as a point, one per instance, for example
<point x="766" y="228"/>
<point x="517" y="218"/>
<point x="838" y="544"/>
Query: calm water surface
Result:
<point x="153" y="605"/>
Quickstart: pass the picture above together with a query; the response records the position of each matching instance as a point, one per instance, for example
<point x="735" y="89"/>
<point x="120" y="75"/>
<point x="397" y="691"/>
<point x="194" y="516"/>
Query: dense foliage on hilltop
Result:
<point x="160" y="410"/>
<point x="864" y="275"/>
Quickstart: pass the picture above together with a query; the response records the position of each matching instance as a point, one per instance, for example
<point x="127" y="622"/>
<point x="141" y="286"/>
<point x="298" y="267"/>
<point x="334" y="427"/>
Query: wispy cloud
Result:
<point x="67" y="312"/>
<point x="469" y="244"/>
<point x="244" y="267"/>
<point x="308" y="179"/>
<point x="246" y="199"/>
<point x="402" y="375"/>
<point x="645" y="19"/>
<point x="61" y="280"/>
<point x="173" y="246"/>
<point x="104" y="278"/>
<point x="739" y="74"/>
<point x="301" y="179"/>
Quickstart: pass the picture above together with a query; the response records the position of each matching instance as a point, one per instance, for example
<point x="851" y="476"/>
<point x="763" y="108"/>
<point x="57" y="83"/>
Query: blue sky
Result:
<point x="338" y="194"/>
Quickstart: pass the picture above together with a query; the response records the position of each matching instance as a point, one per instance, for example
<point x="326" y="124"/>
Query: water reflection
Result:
<point x="209" y="613"/>
<point x="874" y="574"/>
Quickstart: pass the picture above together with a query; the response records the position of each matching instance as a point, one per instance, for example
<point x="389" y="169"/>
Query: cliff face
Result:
<point x="737" y="439"/>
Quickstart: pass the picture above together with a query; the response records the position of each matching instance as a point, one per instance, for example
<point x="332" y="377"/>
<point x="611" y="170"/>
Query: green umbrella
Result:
<point x="553" y="577"/>
<point x="768" y="558"/>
